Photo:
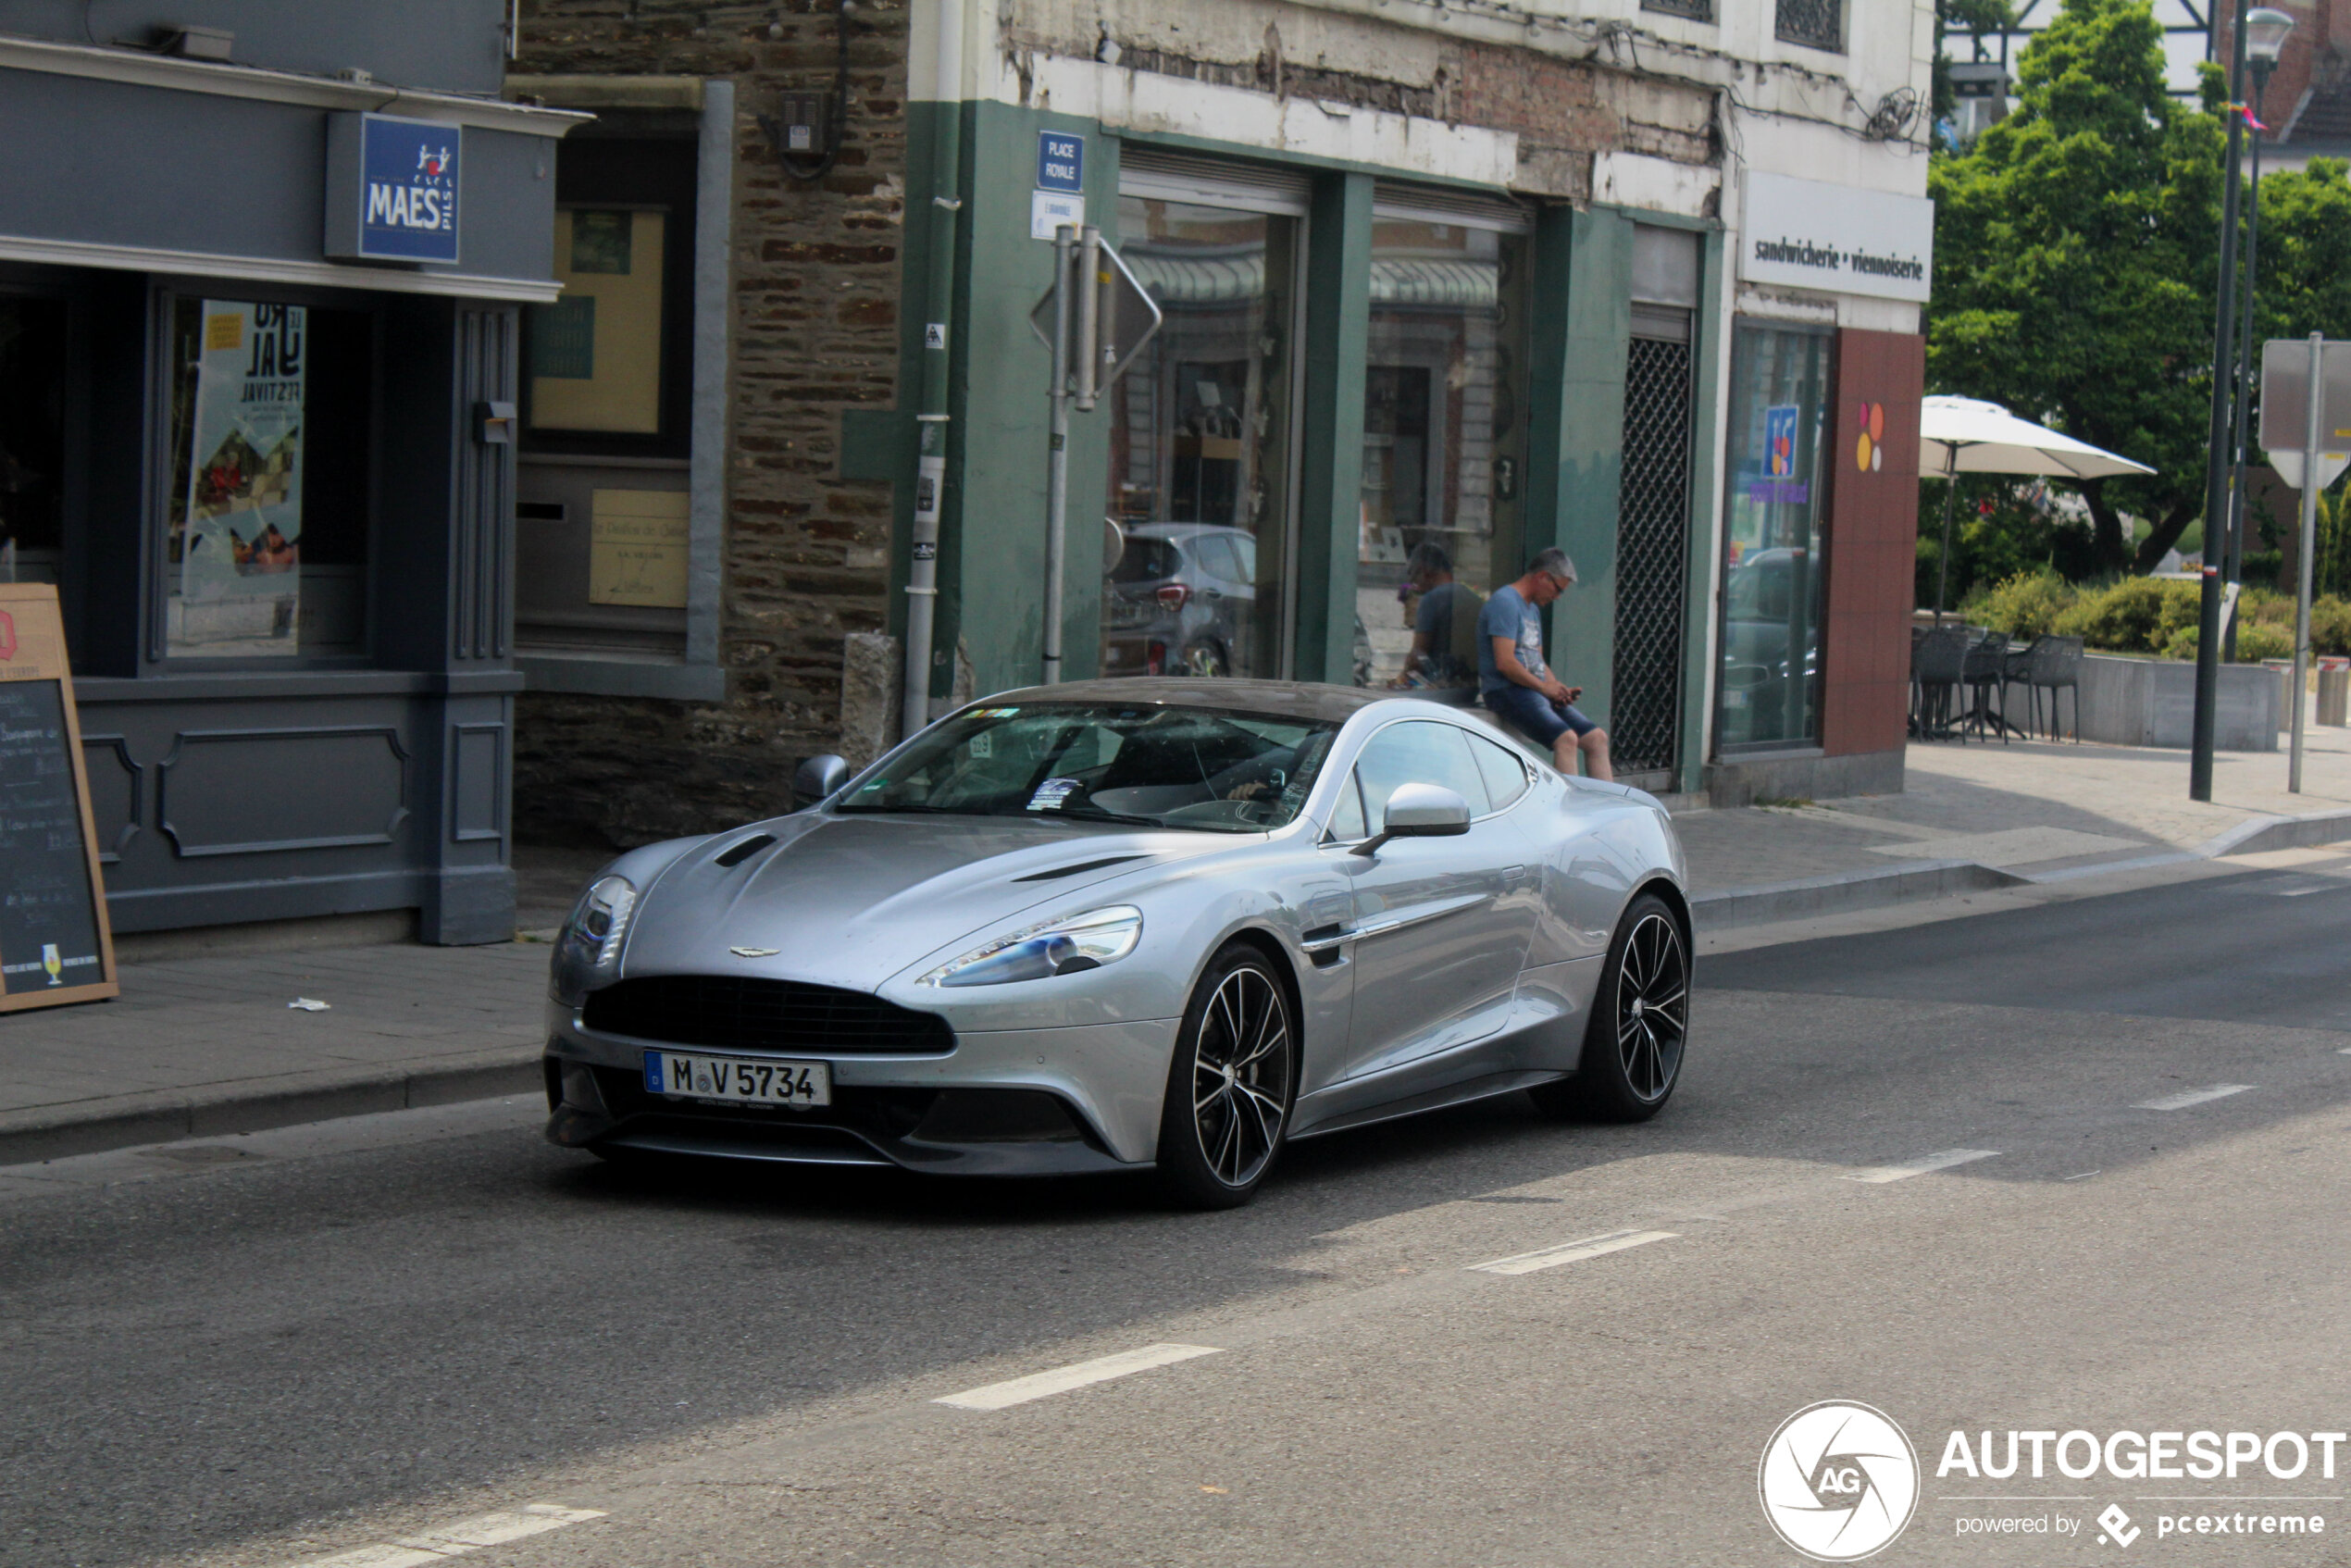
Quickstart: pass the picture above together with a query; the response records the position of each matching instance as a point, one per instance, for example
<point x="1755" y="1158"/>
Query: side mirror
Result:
<point x="1420" y="811"/>
<point x="816" y="777"/>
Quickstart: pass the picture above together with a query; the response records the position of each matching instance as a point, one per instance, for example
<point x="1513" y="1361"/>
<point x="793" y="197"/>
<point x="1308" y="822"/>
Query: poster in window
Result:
<point x="595" y="354"/>
<point x="240" y="527"/>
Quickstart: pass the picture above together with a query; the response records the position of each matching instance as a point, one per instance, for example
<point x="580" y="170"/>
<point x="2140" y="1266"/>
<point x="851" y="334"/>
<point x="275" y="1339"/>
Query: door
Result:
<point x="1442" y="924"/>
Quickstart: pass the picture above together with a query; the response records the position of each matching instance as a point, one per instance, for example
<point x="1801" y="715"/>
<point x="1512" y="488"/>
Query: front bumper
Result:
<point x="1002" y="1103"/>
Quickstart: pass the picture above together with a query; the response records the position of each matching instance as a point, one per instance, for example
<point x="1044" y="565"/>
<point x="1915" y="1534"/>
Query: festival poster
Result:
<point x="241" y="553"/>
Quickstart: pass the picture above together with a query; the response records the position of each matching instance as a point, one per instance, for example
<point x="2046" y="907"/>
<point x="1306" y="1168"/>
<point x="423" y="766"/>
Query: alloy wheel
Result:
<point x="1240" y="1076"/>
<point x="1652" y="1006"/>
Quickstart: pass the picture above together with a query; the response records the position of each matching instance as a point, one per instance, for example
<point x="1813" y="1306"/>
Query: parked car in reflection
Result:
<point x="1759" y="624"/>
<point x="1177" y="600"/>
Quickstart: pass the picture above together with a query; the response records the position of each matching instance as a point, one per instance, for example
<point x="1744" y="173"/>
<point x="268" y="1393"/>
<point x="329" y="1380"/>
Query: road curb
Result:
<point x="1808" y="898"/>
<point x="57" y="1132"/>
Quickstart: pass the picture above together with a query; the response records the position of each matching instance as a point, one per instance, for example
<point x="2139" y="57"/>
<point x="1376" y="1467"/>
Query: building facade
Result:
<point x="1638" y="280"/>
<point x="259" y="316"/>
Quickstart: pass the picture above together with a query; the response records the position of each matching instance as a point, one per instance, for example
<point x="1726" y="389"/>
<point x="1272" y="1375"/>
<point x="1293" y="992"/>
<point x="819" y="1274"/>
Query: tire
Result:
<point x="1639" y="1032"/>
<point x="1222" y="1128"/>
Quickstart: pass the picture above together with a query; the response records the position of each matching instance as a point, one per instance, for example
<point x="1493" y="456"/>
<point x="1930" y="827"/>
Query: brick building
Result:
<point x="1639" y="278"/>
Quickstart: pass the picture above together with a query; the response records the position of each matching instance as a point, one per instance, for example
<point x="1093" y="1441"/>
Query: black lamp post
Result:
<point x="2217" y="462"/>
<point x="2265" y="35"/>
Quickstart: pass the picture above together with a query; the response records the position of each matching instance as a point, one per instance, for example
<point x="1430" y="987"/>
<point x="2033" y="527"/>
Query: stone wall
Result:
<point x="817" y="279"/>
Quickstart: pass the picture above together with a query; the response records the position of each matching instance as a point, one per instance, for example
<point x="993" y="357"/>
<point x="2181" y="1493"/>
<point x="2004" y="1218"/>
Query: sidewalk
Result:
<point x="208" y="1046"/>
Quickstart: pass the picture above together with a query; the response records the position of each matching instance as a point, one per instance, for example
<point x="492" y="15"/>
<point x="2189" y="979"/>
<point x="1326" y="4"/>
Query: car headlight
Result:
<point x="1057" y="947"/>
<point x="599" y="922"/>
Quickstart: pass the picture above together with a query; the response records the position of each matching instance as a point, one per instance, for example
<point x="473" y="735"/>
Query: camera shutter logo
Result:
<point x="1838" y="1481"/>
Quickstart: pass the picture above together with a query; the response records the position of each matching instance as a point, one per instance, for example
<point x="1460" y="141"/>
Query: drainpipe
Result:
<point x="930" y="467"/>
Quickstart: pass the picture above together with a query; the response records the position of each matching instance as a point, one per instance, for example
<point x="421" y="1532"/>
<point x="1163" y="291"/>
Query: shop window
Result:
<point x="1197" y="578"/>
<point x="33" y="437"/>
<point x="1775" y="551"/>
<point x="1443" y="438"/>
<point x="268" y="480"/>
<point x="602" y="518"/>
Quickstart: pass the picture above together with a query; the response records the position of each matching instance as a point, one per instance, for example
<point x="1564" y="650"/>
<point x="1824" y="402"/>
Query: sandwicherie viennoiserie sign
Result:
<point x="1839" y="239"/>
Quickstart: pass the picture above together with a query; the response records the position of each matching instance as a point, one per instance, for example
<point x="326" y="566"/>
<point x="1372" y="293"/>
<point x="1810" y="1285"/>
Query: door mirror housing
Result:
<point x="1420" y="811"/>
<point x="816" y="777"/>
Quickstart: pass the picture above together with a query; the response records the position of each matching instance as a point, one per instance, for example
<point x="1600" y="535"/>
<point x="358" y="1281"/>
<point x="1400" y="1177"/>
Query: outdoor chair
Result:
<point x="1983" y="670"/>
<point x="1939" y="661"/>
<point x="2054" y="664"/>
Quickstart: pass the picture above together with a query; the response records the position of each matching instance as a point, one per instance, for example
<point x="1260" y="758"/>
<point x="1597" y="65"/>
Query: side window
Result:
<point x="1505" y="774"/>
<point x="1421" y="751"/>
<point x="1346" y="817"/>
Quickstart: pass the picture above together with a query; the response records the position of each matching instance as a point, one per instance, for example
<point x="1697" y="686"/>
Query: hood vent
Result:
<point x="1059" y="872"/>
<point x="735" y="854"/>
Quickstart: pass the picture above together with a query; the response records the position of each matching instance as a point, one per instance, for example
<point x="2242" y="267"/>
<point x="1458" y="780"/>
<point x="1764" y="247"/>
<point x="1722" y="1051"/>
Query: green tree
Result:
<point x="2074" y="264"/>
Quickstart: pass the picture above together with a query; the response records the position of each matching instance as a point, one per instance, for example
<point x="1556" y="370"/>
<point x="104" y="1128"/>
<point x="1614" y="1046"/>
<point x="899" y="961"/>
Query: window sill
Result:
<point x="618" y="675"/>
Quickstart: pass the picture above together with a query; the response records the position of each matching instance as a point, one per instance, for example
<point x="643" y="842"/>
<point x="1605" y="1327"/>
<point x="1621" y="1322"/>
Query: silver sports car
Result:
<point x="1131" y="925"/>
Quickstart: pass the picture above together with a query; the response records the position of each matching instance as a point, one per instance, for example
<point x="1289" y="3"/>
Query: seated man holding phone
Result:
<point x="1517" y="685"/>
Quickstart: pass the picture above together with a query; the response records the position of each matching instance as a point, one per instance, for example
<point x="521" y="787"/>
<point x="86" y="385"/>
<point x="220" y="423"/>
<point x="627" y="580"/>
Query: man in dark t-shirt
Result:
<point x="1445" y="628"/>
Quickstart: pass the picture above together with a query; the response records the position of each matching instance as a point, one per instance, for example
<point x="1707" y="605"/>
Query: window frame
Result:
<point x="675" y="195"/>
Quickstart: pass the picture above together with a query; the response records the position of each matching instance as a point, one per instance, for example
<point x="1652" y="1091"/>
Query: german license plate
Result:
<point x="751" y="1080"/>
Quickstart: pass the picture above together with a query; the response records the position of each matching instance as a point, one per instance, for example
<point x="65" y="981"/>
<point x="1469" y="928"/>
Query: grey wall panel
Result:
<point x="457" y="45"/>
<point x="487" y="346"/>
<point x="477" y="782"/>
<point x="251" y="792"/>
<point x="117" y="784"/>
<point x="124" y="165"/>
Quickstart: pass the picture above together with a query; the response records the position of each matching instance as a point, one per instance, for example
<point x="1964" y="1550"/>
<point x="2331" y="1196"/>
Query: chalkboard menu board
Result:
<point x="55" y="943"/>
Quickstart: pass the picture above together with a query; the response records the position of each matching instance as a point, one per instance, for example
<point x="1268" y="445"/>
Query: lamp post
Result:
<point x="2217" y="463"/>
<point x="2265" y="35"/>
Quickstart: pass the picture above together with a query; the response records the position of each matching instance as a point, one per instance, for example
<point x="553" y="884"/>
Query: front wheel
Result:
<point x="1640" y="1023"/>
<point x="1231" y="1084"/>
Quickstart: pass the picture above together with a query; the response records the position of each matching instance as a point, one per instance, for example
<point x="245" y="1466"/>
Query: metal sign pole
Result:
<point x="1057" y="471"/>
<point x="2309" y="548"/>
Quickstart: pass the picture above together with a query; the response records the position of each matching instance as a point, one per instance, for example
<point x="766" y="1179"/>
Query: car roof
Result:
<point x="1280" y="698"/>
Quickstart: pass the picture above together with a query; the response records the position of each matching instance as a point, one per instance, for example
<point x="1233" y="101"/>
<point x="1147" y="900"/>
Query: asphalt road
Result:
<point x="272" y="1349"/>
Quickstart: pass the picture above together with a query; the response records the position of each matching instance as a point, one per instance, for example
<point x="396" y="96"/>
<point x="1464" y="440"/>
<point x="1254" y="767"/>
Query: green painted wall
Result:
<point x="1338" y="303"/>
<point x="1582" y="323"/>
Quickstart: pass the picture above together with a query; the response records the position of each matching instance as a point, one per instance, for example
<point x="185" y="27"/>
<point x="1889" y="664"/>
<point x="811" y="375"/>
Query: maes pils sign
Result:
<point x="391" y="188"/>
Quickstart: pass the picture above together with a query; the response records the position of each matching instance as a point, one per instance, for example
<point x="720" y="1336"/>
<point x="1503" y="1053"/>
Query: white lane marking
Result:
<point x="1572" y="1251"/>
<point x="1942" y="1161"/>
<point x="455" y="1540"/>
<point x="2186" y="1098"/>
<point x="1101" y="1369"/>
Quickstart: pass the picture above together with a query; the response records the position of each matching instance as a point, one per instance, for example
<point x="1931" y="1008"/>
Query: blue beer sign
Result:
<point x="392" y="187"/>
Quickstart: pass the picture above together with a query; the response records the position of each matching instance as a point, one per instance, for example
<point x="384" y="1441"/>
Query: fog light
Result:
<point x="579" y="1088"/>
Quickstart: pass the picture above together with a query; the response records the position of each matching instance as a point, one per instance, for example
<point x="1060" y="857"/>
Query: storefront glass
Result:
<point x="33" y="437"/>
<point x="1442" y="437"/>
<point x="1775" y="554"/>
<point x="1198" y="508"/>
<point x="267" y="482"/>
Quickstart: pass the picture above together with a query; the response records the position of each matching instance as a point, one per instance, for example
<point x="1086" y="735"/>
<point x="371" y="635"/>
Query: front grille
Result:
<point x="756" y="1014"/>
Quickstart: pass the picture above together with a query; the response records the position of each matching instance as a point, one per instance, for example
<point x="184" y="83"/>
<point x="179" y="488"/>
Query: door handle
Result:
<point x="1512" y="874"/>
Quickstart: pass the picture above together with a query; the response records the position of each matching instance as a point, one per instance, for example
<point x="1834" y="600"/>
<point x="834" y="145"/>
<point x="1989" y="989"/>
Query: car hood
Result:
<point x="852" y="900"/>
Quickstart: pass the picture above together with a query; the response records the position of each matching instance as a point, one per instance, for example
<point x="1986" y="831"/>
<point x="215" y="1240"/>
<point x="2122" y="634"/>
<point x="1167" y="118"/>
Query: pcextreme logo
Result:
<point x="1838" y="1481"/>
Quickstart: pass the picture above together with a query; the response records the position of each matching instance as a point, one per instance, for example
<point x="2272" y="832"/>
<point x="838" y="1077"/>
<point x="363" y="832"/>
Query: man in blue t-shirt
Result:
<point x="1517" y="686"/>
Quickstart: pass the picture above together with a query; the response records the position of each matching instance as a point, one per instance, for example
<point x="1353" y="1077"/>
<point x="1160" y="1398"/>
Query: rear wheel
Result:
<point x="1207" y="659"/>
<point x="1230" y="1086"/>
<point x="1640" y="1023"/>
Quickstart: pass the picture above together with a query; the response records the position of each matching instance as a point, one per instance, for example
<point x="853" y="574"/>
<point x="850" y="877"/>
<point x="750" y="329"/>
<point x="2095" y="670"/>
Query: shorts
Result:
<point x="1534" y="716"/>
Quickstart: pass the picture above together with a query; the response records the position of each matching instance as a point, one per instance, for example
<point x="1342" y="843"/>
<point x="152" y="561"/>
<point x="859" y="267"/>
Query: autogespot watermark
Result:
<point x="1839" y="1480"/>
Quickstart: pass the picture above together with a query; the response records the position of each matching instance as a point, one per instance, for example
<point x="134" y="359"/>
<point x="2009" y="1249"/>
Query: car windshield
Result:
<point x="1201" y="768"/>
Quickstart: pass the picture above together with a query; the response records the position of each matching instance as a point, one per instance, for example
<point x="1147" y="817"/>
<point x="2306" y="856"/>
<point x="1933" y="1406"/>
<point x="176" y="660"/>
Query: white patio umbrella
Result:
<point x="1964" y="435"/>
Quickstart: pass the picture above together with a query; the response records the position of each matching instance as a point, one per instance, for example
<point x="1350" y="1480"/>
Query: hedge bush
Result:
<point x="2151" y="616"/>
